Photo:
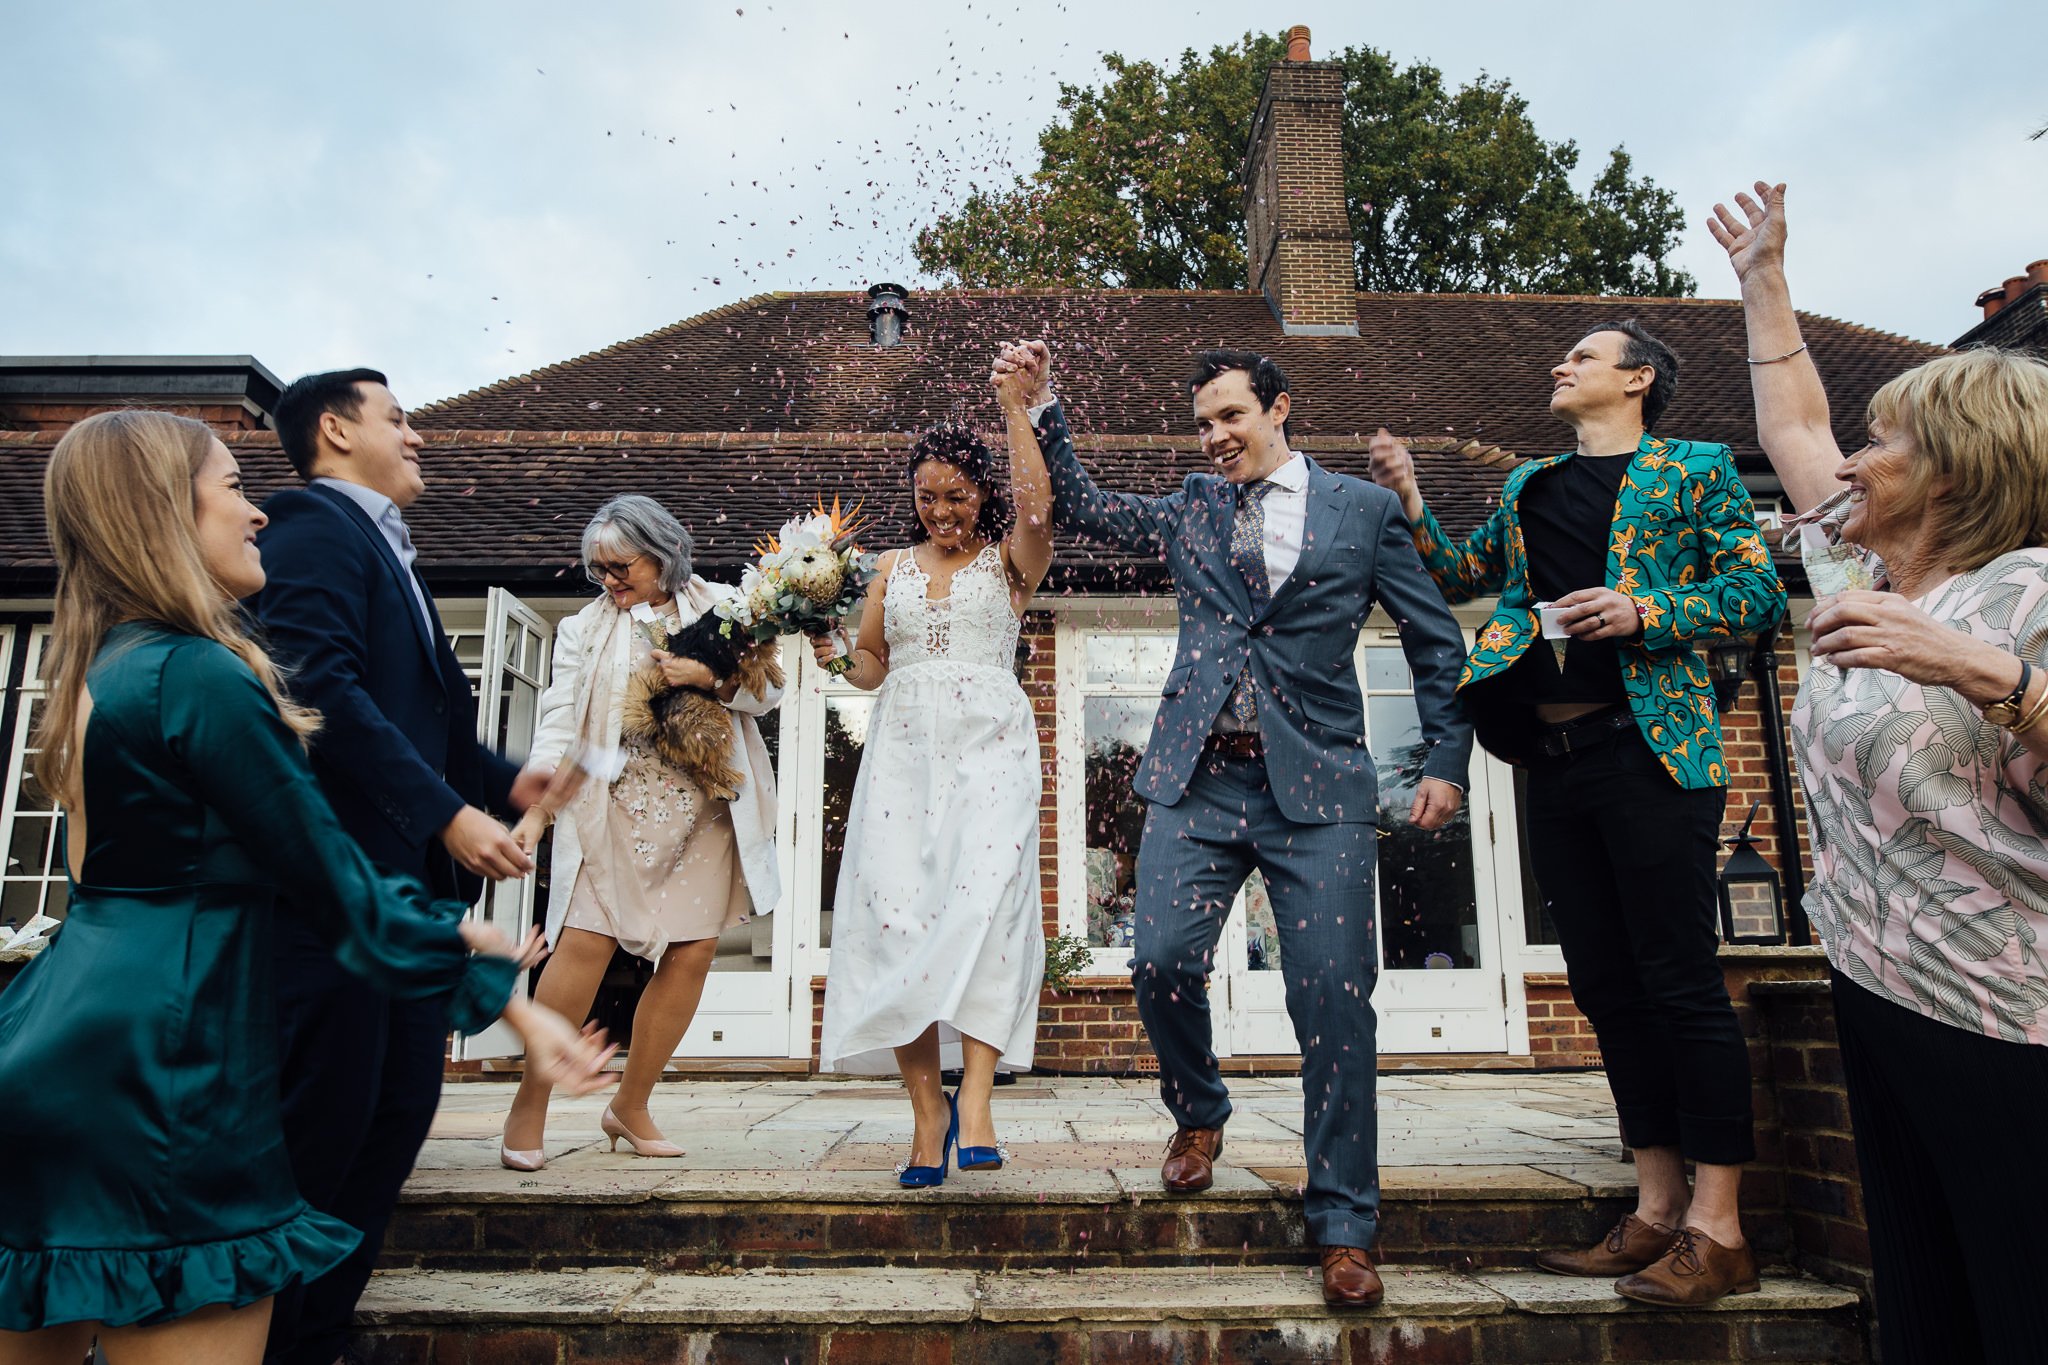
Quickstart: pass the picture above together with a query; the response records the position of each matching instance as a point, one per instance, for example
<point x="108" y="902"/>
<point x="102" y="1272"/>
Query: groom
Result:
<point x="1258" y="760"/>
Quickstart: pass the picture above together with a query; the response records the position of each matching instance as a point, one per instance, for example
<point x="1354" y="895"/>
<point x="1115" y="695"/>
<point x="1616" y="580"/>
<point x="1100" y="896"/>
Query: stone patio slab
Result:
<point x="1264" y="1293"/>
<point x="552" y="1184"/>
<point x="854" y="1296"/>
<point x="873" y="1187"/>
<point x="1533" y="1291"/>
<point x="430" y="1296"/>
<point x="1142" y="1183"/>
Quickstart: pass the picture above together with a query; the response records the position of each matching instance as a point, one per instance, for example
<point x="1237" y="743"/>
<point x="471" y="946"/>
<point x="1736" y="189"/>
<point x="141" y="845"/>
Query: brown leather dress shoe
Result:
<point x="1349" y="1281"/>
<point x="1695" y="1270"/>
<point x="1633" y="1245"/>
<point x="1190" y="1164"/>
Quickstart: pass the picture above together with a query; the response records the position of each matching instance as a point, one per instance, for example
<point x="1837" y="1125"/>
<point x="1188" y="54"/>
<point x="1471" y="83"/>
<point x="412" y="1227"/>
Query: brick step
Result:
<point x="667" y="1220"/>
<point x="1195" y="1315"/>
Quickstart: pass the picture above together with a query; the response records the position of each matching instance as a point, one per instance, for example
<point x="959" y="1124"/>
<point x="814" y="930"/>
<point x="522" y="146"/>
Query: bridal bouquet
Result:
<point x="806" y="581"/>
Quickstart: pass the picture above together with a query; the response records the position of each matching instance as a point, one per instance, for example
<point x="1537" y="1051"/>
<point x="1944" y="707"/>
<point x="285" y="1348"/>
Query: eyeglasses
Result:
<point x="615" y="568"/>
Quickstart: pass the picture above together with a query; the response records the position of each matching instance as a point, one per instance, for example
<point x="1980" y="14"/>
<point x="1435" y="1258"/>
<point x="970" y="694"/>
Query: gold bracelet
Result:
<point x="2026" y="722"/>
<point x="1776" y="358"/>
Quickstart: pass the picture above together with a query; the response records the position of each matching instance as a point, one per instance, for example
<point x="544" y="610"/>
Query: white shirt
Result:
<point x="384" y="512"/>
<point x="1286" y="519"/>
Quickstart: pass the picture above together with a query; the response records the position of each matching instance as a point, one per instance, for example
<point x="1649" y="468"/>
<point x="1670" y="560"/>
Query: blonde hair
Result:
<point x="119" y="501"/>
<point x="1979" y="420"/>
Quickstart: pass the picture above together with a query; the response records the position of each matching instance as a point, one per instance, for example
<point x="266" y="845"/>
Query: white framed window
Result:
<point x="1111" y="662"/>
<point x="32" y="881"/>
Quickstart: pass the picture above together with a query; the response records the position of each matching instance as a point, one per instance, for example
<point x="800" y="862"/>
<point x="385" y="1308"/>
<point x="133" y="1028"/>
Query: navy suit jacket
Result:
<point x="398" y="753"/>
<point x="1357" y="550"/>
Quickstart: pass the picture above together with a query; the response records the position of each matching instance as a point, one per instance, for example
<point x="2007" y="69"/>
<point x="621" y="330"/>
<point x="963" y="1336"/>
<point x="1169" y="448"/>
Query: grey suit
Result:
<point x="1305" y="814"/>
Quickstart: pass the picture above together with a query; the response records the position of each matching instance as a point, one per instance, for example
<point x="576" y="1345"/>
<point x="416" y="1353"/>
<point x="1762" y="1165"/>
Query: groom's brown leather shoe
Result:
<point x="1349" y="1281"/>
<point x="1695" y="1270"/>
<point x="1190" y="1164"/>
<point x="1633" y="1245"/>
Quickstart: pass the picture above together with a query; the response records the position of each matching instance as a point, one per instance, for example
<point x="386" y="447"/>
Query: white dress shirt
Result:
<point x="384" y="512"/>
<point x="1286" y="519"/>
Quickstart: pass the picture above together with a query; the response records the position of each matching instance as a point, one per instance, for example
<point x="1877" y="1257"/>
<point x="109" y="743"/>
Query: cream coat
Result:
<point x="753" y="810"/>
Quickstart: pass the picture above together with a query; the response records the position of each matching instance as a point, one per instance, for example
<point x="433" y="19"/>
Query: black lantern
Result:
<point x="1752" y="908"/>
<point x="1728" y="660"/>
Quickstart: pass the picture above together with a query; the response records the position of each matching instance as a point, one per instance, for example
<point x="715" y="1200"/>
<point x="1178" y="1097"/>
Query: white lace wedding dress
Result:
<point x="937" y="916"/>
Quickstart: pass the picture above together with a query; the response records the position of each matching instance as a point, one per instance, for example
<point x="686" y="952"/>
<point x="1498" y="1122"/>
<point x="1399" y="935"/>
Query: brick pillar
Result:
<point x="1297" y="229"/>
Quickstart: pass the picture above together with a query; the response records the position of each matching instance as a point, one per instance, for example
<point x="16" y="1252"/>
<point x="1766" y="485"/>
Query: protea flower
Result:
<point x="815" y="572"/>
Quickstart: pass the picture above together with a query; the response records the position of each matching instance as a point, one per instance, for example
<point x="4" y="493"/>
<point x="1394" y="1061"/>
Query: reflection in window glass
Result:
<point x="1386" y="670"/>
<point x="846" y="737"/>
<point x="1537" y="926"/>
<point x="1115" y="730"/>
<point x="1429" y="908"/>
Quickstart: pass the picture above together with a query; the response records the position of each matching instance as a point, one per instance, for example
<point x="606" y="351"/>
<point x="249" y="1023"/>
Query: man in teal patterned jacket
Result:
<point x="1647" y="549"/>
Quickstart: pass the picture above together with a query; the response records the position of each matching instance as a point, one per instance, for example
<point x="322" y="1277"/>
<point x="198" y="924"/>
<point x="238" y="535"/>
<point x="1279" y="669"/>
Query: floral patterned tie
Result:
<point x="1248" y="554"/>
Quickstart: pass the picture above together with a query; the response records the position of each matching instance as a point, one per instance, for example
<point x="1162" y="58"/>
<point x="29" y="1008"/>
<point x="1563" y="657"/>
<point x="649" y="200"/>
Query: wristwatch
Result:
<point x="2006" y="712"/>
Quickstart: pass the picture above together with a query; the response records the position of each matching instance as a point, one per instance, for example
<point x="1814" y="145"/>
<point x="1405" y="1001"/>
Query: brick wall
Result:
<point x="1822" y="1191"/>
<point x="63" y="415"/>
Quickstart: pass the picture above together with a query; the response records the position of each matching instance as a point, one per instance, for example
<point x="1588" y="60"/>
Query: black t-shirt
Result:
<point x="1567" y="514"/>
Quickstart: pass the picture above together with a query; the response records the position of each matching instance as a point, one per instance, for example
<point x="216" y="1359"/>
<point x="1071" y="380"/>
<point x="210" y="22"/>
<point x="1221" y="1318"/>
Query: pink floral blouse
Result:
<point x="1930" y="824"/>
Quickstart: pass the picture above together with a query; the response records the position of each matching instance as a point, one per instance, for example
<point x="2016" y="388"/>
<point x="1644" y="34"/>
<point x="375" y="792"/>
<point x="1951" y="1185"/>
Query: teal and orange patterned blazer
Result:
<point x="1685" y="547"/>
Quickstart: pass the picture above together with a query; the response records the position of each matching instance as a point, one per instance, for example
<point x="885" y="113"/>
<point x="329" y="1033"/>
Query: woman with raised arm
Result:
<point x="153" y="1204"/>
<point x="1922" y="730"/>
<point x="937" y="948"/>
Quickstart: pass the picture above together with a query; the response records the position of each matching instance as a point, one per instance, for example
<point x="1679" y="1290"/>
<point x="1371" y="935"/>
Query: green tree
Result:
<point x="1449" y="190"/>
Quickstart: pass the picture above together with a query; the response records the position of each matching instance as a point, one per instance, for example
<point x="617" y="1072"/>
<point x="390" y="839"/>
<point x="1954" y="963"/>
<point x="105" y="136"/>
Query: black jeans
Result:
<point x="1625" y="860"/>
<point x="1948" y="1127"/>
<point x="361" y="1076"/>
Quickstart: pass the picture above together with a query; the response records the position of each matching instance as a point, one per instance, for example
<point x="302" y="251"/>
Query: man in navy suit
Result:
<point x="1258" y="760"/>
<point x="399" y="760"/>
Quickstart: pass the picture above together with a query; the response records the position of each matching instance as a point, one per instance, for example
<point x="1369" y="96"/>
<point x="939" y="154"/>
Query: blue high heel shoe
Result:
<point x="924" y="1177"/>
<point x="980" y="1158"/>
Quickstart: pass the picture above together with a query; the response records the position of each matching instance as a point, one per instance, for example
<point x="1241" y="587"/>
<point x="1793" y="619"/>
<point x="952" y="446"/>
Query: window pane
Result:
<point x="747" y="947"/>
<point x="1429" y="908"/>
<point x="1262" y="936"/>
<point x="846" y="736"/>
<point x="28" y="848"/>
<point x="1537" y="926"/>
<point x="1111" y="658"/>
<point x="1115" y="730"/>
<point x="1386" y="669"/>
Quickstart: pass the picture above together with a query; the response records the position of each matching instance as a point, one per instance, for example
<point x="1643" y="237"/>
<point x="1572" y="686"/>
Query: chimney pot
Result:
<point x="1991" y="300"/>
<point x="888" y="314"/>
<point x="2015" y="285"/>
<point x="2037" y="271"/>
<point x="1297" y="43"/>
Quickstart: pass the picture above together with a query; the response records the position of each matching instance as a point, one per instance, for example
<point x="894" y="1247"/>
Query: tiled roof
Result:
<point x="510" y="508"/>
<point x="788" y="400"/>
<point x="1447" y="365"/>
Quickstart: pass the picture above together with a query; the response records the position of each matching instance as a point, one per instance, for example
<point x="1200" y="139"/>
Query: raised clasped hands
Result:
<point x="1022" y="375"/>
<point x="1758" y="242"/>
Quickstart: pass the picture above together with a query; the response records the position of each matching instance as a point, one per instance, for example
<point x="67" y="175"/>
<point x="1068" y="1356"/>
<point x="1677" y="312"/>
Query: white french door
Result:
<point x="748" y="998"/>
<point x="512" y="673"/>
<point x="1440" y="984"/>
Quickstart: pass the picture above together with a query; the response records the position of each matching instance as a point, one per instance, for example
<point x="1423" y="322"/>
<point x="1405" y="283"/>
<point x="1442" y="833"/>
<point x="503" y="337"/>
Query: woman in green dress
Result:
<point x="153" y="1203"/>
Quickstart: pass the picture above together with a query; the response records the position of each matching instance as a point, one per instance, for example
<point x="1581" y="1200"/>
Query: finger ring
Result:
<point x="1599" y="620"/>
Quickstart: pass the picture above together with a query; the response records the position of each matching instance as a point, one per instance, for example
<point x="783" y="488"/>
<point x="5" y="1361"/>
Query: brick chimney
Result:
<point x="2015" y="314"/>
<point x="1297" y="230"/>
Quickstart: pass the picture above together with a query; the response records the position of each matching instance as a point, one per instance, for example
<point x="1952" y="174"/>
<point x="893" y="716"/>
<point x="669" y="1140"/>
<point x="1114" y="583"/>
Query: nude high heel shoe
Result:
<point x="641" y="1146"/>
<point x="521" y="1161"/>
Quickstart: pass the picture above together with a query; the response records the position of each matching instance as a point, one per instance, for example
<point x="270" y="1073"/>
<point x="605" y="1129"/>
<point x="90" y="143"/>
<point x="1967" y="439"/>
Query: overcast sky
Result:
<point x="461" y="190"/>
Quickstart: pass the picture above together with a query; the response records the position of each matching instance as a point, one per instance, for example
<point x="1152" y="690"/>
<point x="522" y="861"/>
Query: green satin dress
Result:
<point x="138" y="1054"/>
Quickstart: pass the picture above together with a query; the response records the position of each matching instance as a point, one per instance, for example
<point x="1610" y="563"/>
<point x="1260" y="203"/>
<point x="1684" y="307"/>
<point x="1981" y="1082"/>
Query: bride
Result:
<point x="937" y="950"/>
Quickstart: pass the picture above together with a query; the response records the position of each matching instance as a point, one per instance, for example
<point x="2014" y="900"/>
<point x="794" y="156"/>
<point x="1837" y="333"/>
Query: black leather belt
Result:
<point x="1234" y="744"/>
<point x="1557" y="741"/>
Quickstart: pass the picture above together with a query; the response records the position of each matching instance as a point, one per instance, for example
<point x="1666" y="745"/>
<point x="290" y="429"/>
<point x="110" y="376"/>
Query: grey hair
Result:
<point x="634" y="524"/>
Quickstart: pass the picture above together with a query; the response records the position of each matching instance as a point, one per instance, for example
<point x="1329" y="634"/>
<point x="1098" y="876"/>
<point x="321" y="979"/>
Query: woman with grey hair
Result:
<point x="665" y="856"/>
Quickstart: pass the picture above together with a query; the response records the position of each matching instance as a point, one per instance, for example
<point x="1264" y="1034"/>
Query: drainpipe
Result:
<point x="1791" y="862"/>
